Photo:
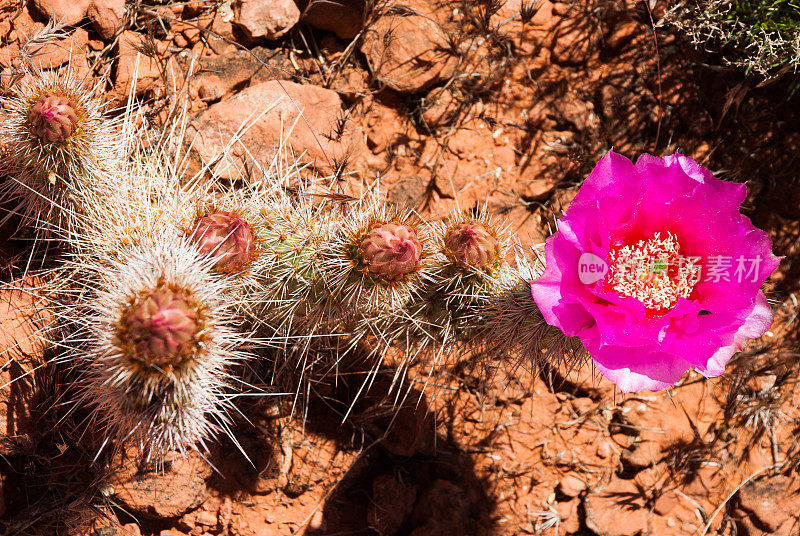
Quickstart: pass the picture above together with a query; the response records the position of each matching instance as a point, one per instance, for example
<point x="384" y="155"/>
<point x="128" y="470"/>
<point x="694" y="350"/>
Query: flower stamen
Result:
<point x="652" y="271"/>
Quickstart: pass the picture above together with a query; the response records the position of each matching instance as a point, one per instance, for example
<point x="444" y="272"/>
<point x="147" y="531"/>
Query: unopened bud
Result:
<point x="471" y="244"/>
<point x="160" y="328"/>
<point x="228" y="237"/>
<point x="53" y="118"/>
<point x="391" y="250"/>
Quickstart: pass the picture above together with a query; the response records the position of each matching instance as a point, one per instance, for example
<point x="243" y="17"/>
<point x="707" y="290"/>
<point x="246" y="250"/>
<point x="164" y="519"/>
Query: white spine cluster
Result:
<point x="59" y="149"/>
<point x="161" y="337"/>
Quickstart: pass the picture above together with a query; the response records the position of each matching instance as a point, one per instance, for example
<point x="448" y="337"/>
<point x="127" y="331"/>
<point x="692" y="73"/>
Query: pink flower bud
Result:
<point x="391" y="250"/>
<point x="471" y="244"/>
<point x="228" y="237"/>
<point x="53" y="118"/>
<point x="161" y="328"/>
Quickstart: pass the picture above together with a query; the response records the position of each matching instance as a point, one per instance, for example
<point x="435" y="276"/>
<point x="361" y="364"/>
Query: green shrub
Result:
<point x="759" y="35"/>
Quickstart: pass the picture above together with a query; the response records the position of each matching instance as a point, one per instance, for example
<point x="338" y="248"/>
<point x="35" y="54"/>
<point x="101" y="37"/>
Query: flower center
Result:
<point x="652" y="271"/>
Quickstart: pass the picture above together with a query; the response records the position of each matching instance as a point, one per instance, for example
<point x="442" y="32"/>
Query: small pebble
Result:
<point x="571" y="485"/>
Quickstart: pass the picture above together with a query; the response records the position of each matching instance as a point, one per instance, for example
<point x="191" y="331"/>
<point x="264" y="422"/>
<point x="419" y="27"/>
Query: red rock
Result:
<point x="387" y="125"/>
<point x="392" y="502"/>
<point x="410" y="192"/>
<point x="583" y="405"/>
<point x="218" y="76"/>
<point x="439" y="108"/>
<point x="408" y="52"/>
<point x="217" y="125"/>
<point x="623" y="33"/>
<point x="660" y="427"/>
<point x="571" y="485"/>
<point x="148" y="74"/>
<point x="23" y="319"/>
<point x="746" y="526"/>
<point x="163" y="492"/>
<point x="9" y="57"/>
<point x="604" y="450"/>
<point x="272" y="19"/>
<point x="23" y="27"/>
<point x="5" y="29"/>
<point x="606" y="517"/>
<point x="444" y="510"/>
<point x="107" y="16"/>
<point x="642" y="454"/>
<point x="567" y="377"/>
<point x="771" y="501"/>
<point x="211" y="87"/>
<point x="578" y="112"/>
<point x="56" y="54"/>
<point x="222" y="27"/>
<point x="534" y="189"/>
<point x="68" y="12"/>
<point x="206" y="518"/>
<point x="464" y="141"/>
<point x="665" y="503"/>
<point x="98" y="521"/>
<point x="410" y="430"/>
<point x="191" y="34"/>
<point x="570" y="518"/>
<point x="343" y="17"/>
<point x="180" y="41"/>
<point x="575" y="39"/>
<point x="353" y="84"/>
<point x="130" y="529"/>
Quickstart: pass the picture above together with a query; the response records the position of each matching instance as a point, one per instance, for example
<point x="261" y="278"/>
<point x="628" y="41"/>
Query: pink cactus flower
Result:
<point x="656" y="271"/>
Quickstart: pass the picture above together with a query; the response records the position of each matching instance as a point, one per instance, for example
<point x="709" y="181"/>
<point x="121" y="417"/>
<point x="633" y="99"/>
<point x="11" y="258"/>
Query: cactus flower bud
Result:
<point x="471" y="244"/>
<point x="161" y="328"/>
<point x="228" y="237"/>
<point x="391" y="250"/>
<point x="53" y="118"/>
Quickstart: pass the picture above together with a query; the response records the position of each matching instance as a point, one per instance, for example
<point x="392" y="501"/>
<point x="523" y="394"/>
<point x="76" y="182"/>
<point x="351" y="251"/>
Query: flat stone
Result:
<point x="345" y="18"/>
<point x="163" y="492"/>
<point x="271" y="19"/>
<point x="408" y="52"/>
<point x="571" y="485"/>
<point x="68" y="12"/>
<point x="618" y="509"/>
<point x="272" y="111"/>
<point x="771" y="501"/>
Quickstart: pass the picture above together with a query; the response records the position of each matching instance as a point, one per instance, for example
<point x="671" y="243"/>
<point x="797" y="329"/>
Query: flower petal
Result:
<point x="755" y="325"/>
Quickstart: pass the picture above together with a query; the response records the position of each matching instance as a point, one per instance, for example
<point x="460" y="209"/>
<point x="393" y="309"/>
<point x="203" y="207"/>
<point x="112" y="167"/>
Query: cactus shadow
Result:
<point x="409" y="478"/>
<point x="407" y="475"/>
<point x="367" y="450"/>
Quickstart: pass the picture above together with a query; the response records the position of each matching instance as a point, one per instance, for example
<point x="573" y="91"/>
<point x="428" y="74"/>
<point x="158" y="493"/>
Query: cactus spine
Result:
<point x="171" y="279"/>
